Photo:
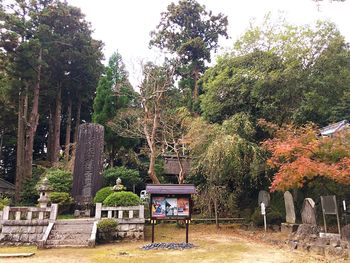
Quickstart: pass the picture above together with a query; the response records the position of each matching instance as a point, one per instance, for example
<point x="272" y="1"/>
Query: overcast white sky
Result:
<point x="124" y="25"/>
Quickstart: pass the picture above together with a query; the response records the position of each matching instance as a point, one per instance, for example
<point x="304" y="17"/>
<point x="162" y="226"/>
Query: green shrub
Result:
<point x="102" y="194"/>
<point x="60" y="180"/>
<point x="129" y="177"/>
<point x="29" y="194"/>
<point x="107" y="225"/>
<point x="273" y="217"/>
<point x="122" y="199"/>
<point x="4" y="202"/>
<point x="61" y="198"/>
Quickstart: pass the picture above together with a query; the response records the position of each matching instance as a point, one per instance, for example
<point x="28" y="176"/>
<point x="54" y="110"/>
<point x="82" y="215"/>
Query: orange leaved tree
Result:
<point x="299" y="155"/>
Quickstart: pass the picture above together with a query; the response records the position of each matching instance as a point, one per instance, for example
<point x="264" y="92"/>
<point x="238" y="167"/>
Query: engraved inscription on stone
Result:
<point x="308" y="212"/>
<point x="87" y="177"/>
<point x="289" y="204"/>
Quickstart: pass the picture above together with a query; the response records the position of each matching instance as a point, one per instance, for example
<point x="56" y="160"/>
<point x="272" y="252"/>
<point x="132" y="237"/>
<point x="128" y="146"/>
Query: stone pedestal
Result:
<point x="289" y="228"/>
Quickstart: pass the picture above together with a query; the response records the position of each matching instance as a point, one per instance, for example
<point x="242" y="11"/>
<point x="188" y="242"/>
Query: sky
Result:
<point x="124" y="25"/>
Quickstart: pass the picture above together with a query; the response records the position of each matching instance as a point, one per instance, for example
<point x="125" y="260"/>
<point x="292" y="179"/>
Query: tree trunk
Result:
<point x="50" y="137"/>
<point x="57" y="127"/>
<point x="20" y="144"/>
<point x="68" y="129"/>
<point x="216" y="212"/>
<point x="77" y="121"/>
<point x="196" y="88"/>
<point x="32" y="124"/>
<point x="181" y="177"/>
<point x="151" y="169"/>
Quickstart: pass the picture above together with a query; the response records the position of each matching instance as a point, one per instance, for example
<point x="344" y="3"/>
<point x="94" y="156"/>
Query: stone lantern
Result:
<point x="44" y="190"/>
<point x="118" y="185"/>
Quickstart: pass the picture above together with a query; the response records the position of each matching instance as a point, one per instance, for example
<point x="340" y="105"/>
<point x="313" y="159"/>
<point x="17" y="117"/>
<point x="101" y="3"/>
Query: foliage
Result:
<point x="60" y="180"/>
<point x="129" y="177"/>
<point x="5" y="201"/>
<point x="273" y="216"/>
<point x="225" y="157"/>
<point x="61" y="198"/>
<point x="191" y="33"/>
<point x="114" y="92"/>
<point x="102" y="194"/>
<point x="282" y="73"/>
<point x="29" y="194"/>
<point x="107" y="225"/>
<point x="122" y="199"/>
<point x="299" y="155"/>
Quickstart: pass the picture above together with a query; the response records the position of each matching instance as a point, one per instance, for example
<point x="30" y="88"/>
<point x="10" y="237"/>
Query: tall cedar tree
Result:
<point x="191" y="33"/>
<point x="114" y="92"/>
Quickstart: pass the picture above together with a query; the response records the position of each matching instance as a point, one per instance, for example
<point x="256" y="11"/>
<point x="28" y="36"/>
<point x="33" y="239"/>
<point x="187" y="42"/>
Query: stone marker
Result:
<point x="308" y="212"/>
<point x="289" y="204"/>
<point x="87" y="176"/>
<point x="264" y="197"/>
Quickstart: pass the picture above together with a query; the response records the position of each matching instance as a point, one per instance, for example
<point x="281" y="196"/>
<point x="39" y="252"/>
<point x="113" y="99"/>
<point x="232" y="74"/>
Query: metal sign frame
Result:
<point x="326" y="212"/>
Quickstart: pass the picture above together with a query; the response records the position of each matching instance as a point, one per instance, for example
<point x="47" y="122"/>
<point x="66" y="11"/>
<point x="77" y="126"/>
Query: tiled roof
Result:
<point x="331" y="129"/>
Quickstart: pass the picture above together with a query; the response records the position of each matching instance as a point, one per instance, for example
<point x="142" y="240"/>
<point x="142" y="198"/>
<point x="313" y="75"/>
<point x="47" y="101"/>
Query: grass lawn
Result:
<point x="224" y="245"/>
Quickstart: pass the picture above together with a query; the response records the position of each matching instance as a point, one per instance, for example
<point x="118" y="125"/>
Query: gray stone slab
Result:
<point x="264" y="197"/>
<point x="289" y="205"/>
<point x="308" y="212"/>
<point x="15" y="255"/>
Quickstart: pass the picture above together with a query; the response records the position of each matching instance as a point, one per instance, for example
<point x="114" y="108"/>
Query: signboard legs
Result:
<point x="187" y="223"/>
<point x="153" y="222"/>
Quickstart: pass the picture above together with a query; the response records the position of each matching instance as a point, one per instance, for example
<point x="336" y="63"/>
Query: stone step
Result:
<point x="73" y="227"/>
<point x="62" y="236"/>
<point x="70" y="231"/>
<point x="67" y="243"/>
<point x="75" y="221"/>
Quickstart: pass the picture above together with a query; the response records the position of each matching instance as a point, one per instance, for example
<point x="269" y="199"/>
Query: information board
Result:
<point x="169" y="207"/>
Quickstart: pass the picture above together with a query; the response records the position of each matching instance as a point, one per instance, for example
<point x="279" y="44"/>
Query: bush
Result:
<point x="122" y="199"/>
<point x="129" y="177"/>
<point x="29" y="194"/>
<point x="102" y="194"/>
<point x="60" y="180"/>
<point x="107" y="225"/>
<point x="61" y="198"/>
<point x="273" y="217"/>
<point x="4" y="202"/>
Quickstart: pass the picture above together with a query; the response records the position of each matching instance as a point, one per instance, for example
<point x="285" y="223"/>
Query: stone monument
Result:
<point x="308" y="212"/>
<point x="289" y="205"/>
<point x="87" y="176"/>
<point x="264" y="197"/>
<point x="290" y="225"/>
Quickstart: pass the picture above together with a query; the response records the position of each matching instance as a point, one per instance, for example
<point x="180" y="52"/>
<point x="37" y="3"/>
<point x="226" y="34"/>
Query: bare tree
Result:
<point x="146" y="122"/>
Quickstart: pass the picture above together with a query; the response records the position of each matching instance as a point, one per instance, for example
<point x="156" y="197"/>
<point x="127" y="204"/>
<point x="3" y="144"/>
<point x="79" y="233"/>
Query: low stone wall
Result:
<point x="308" y="238"/>
<point x="124" y="231"/>
<point x="22" y="232"/>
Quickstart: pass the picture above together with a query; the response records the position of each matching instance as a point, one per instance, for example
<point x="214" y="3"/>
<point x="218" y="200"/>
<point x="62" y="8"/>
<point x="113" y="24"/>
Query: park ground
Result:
<point x="227" y="244"/>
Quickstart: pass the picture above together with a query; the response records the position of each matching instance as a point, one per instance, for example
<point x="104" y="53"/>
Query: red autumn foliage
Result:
<point x="299" y="155"/>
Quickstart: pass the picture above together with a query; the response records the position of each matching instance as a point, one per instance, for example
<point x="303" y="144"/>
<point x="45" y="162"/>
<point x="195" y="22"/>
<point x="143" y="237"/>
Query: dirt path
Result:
<point x="217" y="246"/>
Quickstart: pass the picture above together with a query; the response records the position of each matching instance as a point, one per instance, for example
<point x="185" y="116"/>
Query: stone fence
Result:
<point x="123" y="214"/>
<point x="25" y="225"/>
<point x="130" y="220"/>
